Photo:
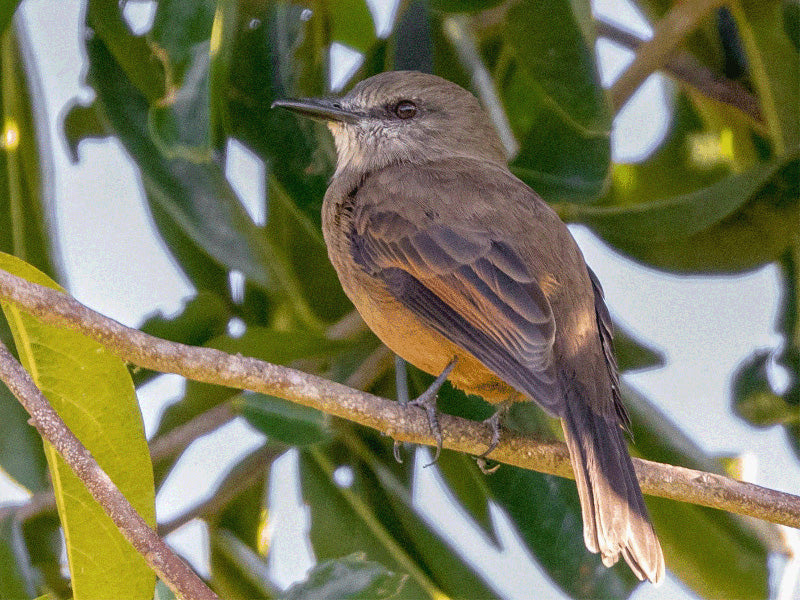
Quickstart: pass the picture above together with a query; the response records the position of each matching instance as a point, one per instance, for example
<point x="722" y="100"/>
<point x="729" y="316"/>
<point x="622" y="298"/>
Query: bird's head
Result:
<point x="403" y="117"/>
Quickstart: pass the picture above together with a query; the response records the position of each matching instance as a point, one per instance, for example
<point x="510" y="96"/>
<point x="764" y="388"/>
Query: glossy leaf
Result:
<point x="774" y="65"/>
<point x="194" y="194"/>
<point x="753" y="397"/>
<point x="348" y="577"/>
<point x="250" y="567"/>
<point x="18" y="581"/>
<point x="737" y="223"/>
<point x="342" y="523"/>
<point x="561" y="116"/>
<point x="282" y="420"/>
<point x="717" y="554"/>
<point x="21" y="453"/>
<point x="100" y="407"/>
<point x="26" y="186"/>
<point x="269" y="52"/>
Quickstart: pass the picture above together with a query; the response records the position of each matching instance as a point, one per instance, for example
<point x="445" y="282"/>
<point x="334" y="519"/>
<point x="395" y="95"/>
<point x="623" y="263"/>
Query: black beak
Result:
<point x="321" y="109"/>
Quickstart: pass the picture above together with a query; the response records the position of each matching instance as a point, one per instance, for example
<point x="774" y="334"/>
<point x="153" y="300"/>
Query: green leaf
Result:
<point x="163" y="592"/>
<point x="413" y="39"/>
<point x="203" y="317"/>
<point x="7" y="10"/>
<point x="715" y="553"/>
<point x="133" y="53"/>
<point x="268" y="52"/>
<point x="737" y="223"/>
<point x="251" y="567"/>
<point x="15" y="569"/>
<point x="193" y="194"/>
<point x="386" y="488"/>
<point x="633" y="354"/>
<point x="459" y="6"/>
<point x="774" y="66"/>
<point x="26" y="190"/>
<point x="180" y="37"/>
<point x="91" y="390"/>
<point x="21" y="452"/>
<point x="351" y="577"/>
<point x="245" y="518"/>
<point x="43" y="539"/>
<point x="282" y="420"/>
<point x="547" y="514"/>
<point x="753" y="397"/>
<point x="548" y="79"/>
<point x="297" y="245"/>
<point x="351" y="23"/>
<point x="466" y="482"/>
<point x="343" y="523"/>
<point x="82" y="123"/>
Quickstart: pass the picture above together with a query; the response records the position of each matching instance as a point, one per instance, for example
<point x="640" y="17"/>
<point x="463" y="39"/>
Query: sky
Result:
<point x="116" y="265"/>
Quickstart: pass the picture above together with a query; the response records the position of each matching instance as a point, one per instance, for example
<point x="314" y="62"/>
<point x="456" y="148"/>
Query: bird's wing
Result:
<point x="471" y="288"/>
<point x="606" y="329"/>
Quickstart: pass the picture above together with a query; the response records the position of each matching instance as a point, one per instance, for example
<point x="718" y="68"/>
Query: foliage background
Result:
<point x="718" y="196"/>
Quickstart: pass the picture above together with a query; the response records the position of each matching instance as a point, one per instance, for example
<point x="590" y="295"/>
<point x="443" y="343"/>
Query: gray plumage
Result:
<point x="446" y="254"/>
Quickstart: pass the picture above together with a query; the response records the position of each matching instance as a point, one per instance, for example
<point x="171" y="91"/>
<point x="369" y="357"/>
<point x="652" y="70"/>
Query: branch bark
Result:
<point x="164" y="562"/>
<point x="684" y="67"/>
<point x="403" y="424"/>
<point x="669" y="33"/>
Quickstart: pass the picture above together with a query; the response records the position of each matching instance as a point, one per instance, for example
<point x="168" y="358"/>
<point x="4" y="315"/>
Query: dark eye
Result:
<point x="405" y="109"/>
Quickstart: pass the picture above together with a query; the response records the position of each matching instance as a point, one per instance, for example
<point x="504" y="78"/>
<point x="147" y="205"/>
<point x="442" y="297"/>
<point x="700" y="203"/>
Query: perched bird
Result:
<point x="464" y="271"/>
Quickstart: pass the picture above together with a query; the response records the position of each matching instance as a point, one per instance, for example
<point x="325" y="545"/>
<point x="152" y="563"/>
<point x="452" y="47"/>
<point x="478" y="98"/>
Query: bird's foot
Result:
<point x="495" y="422"/>
<point x="427" y="401"/>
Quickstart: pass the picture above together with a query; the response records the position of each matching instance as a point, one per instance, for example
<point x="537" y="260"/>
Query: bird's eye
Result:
<point x="405" y="109"/>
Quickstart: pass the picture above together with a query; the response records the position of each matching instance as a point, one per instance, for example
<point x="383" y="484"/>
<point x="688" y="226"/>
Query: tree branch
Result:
<point x="164" y="562"/>
<point x="669" y="33"/>
<point x="165" y="446"/>
<point x="403" y="424"/>
<point x="684" y="67"/>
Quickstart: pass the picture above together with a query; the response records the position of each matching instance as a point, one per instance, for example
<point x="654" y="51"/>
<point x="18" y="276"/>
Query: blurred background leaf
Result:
<point x="187" y="93"/>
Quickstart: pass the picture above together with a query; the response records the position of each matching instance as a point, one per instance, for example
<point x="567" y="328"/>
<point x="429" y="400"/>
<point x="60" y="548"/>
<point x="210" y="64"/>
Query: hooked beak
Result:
<point x="321" y="109"/>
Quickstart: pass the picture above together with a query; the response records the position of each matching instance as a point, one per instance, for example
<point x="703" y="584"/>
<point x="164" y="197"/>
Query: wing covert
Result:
<point x="472" y="289"/>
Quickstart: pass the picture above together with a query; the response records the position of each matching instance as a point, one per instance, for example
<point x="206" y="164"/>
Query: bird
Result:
<point x="461" y="269"/>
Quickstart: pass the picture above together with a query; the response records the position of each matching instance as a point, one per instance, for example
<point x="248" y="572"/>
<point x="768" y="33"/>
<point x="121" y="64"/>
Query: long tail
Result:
<point x="615" y="519"/>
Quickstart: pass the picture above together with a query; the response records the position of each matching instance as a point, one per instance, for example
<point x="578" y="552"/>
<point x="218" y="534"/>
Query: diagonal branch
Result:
<point x="164" y="562"/>
<point x="669" y="33"/>
<point x="407" y="425"/>
<point x="686" y="68"/>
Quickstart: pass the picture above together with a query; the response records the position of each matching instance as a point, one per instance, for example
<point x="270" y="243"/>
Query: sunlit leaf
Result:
<point x="91" y="390"/>
<point x="348" y="577"/>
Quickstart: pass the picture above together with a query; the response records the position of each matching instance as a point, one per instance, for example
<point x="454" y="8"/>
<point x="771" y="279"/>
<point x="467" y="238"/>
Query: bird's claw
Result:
<point x="427" y="401"/>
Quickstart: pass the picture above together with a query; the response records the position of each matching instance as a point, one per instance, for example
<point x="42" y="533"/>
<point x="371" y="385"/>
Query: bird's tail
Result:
<point x="615" y="519"/>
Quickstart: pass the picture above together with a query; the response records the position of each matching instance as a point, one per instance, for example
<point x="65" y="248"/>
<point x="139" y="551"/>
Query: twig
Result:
<point x="684" y="67"/>
<point x="456" y="29"/>
<point x="171" y="443"/>
<point x="669" y="33"/>
<point x="407" y="425"/>
<point x="242" y="476"/>
<point x="164" y="562"/>
<point x="177" y="440"/>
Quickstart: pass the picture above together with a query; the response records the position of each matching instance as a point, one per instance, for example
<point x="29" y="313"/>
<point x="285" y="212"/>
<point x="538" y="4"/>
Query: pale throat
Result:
<point x="348" y="150"/>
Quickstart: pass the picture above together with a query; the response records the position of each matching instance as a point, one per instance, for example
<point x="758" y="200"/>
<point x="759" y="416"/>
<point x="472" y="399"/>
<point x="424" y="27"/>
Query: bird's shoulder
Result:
<point x="472" y="189"/>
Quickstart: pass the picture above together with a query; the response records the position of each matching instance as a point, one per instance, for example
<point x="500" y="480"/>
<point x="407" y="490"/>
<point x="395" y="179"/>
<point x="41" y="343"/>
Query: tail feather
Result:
<point x="615" y="519"/>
